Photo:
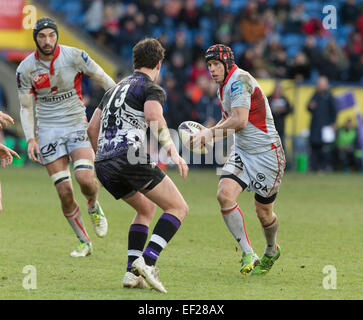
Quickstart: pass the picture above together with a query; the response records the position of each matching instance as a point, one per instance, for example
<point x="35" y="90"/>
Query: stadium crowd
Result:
<point x="270" y="38"/>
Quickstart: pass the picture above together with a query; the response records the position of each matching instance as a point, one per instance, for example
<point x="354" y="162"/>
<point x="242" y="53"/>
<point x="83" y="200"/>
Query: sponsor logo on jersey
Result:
<point x="236" y="88"/>
<point x="41" y="81"/>
<point x="84" y="56"/>
<point x="57" y="98"/>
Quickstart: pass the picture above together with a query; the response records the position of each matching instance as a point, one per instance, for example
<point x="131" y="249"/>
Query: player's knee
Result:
<point x="182" y="210"/>
<point x="148" y="210"/>
<point x="264" y="212"/>
<point x="86" y="180"/>
<point x="65" y="193"/>
<point x="224" y="197"/>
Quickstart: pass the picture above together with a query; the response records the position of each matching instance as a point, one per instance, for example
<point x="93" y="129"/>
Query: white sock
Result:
<point x="92" y="204"/>
<point x="234" y="220"/>
<point x="75" y="220"/>
<point x="270" y="232"/>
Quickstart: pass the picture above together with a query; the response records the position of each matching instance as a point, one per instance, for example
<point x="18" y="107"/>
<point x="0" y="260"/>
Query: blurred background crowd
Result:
<point x="271" y="39"/>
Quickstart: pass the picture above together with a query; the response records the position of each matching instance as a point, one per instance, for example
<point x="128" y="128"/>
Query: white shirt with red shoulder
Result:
<point x="56" y="85"/>
<point x="240" y="89"/>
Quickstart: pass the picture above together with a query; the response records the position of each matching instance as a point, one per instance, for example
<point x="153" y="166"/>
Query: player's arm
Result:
<point x="27" y="123"/>
<point x="153" y="112"/>
<point x="89" y="67"/>
<point x="25" y="93"/>
<point x="236" y="122"/>
<point x="224" y="128"/>
<point x="94" y="128"/>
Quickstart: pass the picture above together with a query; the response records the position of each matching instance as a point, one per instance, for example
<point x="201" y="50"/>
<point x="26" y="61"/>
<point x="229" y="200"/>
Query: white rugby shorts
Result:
<point x="55" y="143"/>
<point x="261" y="172"/>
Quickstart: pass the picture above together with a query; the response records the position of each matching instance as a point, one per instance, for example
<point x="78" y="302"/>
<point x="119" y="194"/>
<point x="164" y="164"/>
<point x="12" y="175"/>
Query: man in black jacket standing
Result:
<point x="323" y="111"/>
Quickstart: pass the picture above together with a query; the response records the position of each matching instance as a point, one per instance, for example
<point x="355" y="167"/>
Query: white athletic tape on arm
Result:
<point x="164" y="137"/>
<point x="83" y="164"/>
<point x="27" y="115"/>
<point x="60" y="176"/>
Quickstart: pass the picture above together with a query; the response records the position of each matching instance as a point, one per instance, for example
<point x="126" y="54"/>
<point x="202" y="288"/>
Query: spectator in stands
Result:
<point x="280" y="108"/>
<point x="300" y="68"/>
<point x="178" y="107"/>
<point x="335" y="61"/>
<point x="251" y="27"/>
<point x="189" y="14"/>
<point x="199" y="68"/>
<point x="209" y="10"/>
<point x="279" y="64"/>
<point x="259" y="63"/>
<point x="312" y="52"/>
<point x="198" y="47"/>
<point x="180" y="46"/>
<point x="359" y="24"/>
<point x="282" y="10"/>
<point x="224" y="29"/>
<point x="245" y="61"/>
<point x="356" y="70"/>
<point x="346" y="144"/>
<point x="128" y="36"/>
<point x="296" y="19"/>
<point x="153" y="11"/>
<point x="323" y="111"/>
<point x="172" y="9"/>
<point x="94" y="17"/>
<point x="349" y="12"/>
<point x="208" y="107"/>
<point x="177" y="68"/>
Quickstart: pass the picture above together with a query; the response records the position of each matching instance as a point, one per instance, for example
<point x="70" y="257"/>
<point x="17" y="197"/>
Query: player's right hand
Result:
<point x="33" y="150"/>
<point x="6" y="155"/>
<point x="4" y="119"/>
<point x="183" y="167"/>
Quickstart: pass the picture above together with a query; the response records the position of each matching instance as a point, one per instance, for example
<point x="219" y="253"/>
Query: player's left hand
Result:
<point x="201" y="138"/>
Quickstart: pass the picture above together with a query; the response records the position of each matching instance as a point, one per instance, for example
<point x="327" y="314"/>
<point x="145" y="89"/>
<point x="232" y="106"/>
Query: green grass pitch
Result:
<point x="321" y="219"/>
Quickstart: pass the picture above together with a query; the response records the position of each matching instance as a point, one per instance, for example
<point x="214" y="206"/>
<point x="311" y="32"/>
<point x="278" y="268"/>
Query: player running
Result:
<point x="52" y="77"/>
<point x="120" y="123"/>
<point x="257" y="160"/>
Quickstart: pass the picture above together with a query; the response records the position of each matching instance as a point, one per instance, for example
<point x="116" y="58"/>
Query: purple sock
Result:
<point x="164" y="230"/>
<point x="137" y="239"/>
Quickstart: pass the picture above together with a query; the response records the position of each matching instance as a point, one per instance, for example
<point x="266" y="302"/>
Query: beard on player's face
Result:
<point x="47" y="49"/>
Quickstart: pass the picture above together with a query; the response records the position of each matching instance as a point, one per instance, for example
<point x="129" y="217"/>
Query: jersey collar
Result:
<point x="55" y="53"/>
<point x="229" y="75"/>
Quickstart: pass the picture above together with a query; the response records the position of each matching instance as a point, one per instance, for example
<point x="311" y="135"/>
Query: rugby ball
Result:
<point x="185" y="130"/>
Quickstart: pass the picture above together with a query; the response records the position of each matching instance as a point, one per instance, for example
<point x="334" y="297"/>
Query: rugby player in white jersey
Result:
<point x="257" y="160"/>
<point x="52" y="77"/>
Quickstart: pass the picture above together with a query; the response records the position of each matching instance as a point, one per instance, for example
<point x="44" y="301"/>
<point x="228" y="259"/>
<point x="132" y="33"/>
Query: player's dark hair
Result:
<point x="147" y="53"/>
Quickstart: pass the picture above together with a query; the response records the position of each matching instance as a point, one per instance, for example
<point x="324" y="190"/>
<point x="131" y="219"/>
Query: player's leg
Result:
<point x="58" y="170"/>
<point x="169" y="199"/>
<point x="83" y="167"/>
<point x="270" y="224"/>
<point x="138" y="232"/>
<point x="268" y="170"/>
<point x="229" y="188"/>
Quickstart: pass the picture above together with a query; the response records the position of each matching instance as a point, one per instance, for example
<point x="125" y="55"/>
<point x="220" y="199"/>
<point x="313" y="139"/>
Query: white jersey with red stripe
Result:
<point x="56" y="85"/>
<point x="240" y="89"/>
